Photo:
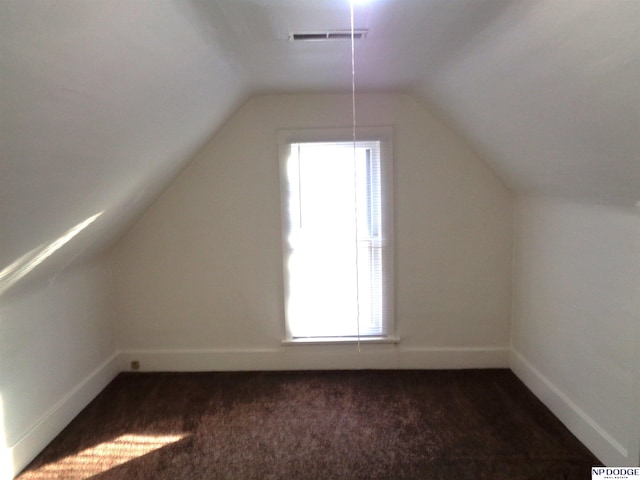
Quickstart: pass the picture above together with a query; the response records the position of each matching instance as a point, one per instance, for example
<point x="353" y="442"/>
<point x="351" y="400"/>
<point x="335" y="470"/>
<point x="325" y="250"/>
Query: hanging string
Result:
<point x="355" y="189"/>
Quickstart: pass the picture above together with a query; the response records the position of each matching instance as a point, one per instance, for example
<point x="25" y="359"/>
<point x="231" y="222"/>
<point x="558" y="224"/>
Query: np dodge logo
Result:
<point x="615" y="473"/>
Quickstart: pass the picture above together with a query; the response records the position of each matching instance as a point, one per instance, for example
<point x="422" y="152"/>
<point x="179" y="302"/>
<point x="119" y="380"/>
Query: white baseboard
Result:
<point x="602" y="444"/>
<point x="318" y="357"/>
<point x="304" y="357"/>
<point x="454" y="358"/>
<point x="60" y="415"/>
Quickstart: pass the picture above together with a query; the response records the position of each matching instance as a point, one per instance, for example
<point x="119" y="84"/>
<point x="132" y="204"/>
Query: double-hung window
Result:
<point x="337" y="237"/>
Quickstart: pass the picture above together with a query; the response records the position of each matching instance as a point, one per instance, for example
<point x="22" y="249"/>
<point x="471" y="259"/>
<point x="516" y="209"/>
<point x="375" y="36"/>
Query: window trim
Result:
<point x="390" y="339"/>
<point x="384" y="135"/>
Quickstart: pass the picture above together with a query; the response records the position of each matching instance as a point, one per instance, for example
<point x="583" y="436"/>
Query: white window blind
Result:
<point x="337" y="241"/>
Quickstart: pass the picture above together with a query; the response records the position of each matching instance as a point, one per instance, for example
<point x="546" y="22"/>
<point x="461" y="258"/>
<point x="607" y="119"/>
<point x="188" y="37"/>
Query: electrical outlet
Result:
<point x="135" y="365"/>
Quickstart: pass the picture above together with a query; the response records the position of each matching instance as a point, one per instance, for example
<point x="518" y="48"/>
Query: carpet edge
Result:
<point x="54" y="420"/>
<point x="609" y="450"/>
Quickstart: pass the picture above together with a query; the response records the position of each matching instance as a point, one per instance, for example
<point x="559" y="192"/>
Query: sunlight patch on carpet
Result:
<point x="104" y="456"/>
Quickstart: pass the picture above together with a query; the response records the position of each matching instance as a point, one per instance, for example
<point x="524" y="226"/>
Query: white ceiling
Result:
<point x="103" y="102"/>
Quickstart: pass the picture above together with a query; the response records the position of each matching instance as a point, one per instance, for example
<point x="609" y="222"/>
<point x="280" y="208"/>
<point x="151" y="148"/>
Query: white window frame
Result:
<point x="384" y="135"/>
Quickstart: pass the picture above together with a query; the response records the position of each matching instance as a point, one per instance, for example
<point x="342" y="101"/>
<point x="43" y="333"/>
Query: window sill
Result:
<point x="339" y="341"/>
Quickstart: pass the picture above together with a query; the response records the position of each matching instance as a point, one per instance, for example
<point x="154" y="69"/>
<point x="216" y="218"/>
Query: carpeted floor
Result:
<point x="448" y="425"/>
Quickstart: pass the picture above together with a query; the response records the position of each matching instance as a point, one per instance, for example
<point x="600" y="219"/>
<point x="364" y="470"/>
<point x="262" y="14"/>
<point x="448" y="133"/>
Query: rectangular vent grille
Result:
<point x="332" y="35"/>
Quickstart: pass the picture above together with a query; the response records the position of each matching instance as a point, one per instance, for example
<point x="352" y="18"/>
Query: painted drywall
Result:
<point x="102" y="104"/>
<point x="577" y="319"/>
<point x="199" y="277"/>
<point x="57" y="351"/>
<point x="521" y="79"/>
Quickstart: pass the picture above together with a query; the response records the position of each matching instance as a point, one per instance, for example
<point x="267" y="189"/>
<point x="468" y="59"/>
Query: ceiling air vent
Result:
<point x="331" y="35"/>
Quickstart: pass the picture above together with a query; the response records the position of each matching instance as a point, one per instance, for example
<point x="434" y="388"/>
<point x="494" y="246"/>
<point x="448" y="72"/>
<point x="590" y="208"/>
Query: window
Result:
<point x="337" y="239"/>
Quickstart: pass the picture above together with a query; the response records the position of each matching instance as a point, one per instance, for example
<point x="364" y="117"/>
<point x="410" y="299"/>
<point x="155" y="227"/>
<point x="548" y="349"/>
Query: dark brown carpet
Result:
<point x="449" y="425"/>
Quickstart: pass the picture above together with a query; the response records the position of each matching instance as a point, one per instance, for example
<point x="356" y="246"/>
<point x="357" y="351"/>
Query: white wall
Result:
<point x="197" y="284"/>
<point x="576" y="329"/>
<point x="199" y="280"/>
<point x="57" y="351"/>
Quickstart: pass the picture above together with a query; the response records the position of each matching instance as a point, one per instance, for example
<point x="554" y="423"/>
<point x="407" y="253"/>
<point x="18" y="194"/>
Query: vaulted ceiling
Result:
<point x="103" y="102"/>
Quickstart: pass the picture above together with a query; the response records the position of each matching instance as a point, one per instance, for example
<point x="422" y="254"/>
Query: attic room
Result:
<point x="144" y="197"/>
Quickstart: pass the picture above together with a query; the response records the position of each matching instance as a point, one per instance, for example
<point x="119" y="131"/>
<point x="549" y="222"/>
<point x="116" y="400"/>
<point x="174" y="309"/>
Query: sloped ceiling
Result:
<point x="103" y="102"/>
